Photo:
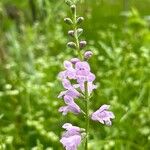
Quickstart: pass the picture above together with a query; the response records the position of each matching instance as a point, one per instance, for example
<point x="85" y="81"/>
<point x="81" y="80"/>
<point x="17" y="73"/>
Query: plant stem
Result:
<point x="76" y="35"/>
<point x="87" y="115"/>
<point x="86" y="86"/>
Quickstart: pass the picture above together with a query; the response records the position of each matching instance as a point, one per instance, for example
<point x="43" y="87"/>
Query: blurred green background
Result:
<point x="33" y="40"/>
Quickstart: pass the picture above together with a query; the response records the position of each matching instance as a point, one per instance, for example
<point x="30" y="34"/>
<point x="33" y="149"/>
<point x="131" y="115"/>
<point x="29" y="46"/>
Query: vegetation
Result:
<point x="32" y="49"/>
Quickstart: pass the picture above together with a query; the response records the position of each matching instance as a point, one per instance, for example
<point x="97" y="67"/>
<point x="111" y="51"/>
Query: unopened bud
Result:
<point x="71" y="32"/>
<point x="82" y="129"/>
<point x="80" y="20"/>
<point x="68" y="2"/>
<point x="79" y="31"/>
<point x="88" y="54"/>
<point x="83" y="135"/>
<point x="71" y="45"/>
<point x="74" y="60"/>
<point x="68" y="21"/>
<point x="82" y="44"/>
<point x="73" y="8"/>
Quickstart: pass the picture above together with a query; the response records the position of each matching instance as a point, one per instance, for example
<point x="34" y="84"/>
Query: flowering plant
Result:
<point x="78" y="82"/>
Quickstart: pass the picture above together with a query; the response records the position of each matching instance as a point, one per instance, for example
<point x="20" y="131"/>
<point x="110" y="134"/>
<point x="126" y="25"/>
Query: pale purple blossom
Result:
<point x="72" y="93"/>
<point x="103" y="115"/>
<point x="82" y="65"/>
<point x="69" y="127"/>
<point x="69" y="73"/>
<point x="83" y="72"/>
<point x="71" y="139"/>
<point x="80" y="72"/>
<point x="71" y="106"/>
<point x="70" y="90"/>
<point x="66" y="84"/>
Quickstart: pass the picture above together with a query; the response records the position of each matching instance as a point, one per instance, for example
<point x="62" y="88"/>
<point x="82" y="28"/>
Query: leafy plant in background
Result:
<point x="32" y="59"/>
<point x="77" y="80"/>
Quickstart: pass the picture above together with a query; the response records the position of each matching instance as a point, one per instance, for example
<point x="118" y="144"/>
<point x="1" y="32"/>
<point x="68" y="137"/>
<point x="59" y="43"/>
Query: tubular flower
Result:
<point x="83" y="72"/>
<point x="103" y="115"/>
<point x="71" y="139"/>
<point x="77" y="70"/>
<point x="70" y="90"/>
<point x="71" y="106"/>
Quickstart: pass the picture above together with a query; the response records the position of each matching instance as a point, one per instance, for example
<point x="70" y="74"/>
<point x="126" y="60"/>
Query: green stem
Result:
<point x="76" y="35"/>
<point x="87" y="115"/>
<point x="86" y="86"/>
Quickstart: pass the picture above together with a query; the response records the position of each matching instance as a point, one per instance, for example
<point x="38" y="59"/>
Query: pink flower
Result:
<point x="80" y="72"/>
<point x="70" y="90"/>
<point x="103" y="115"/>
<point x="71" y="106"/>
<point x="71" y="139"/>
<point x="72" y="93"/>
<point x="83" y="72"/>
<point x="70" y="72"/>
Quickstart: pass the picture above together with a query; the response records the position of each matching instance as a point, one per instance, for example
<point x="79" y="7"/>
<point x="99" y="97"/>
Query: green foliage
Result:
<point x="32" y="49"/>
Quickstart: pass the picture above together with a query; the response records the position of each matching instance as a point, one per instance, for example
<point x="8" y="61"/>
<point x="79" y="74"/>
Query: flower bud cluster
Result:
<point x="75" y="32"/>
